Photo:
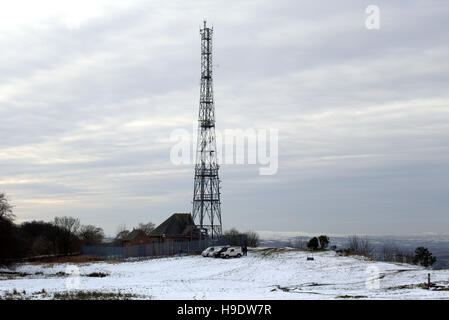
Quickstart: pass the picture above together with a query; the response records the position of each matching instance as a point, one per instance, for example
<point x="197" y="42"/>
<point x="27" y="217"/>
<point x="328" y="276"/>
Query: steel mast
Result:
<point x="206" y="193"/>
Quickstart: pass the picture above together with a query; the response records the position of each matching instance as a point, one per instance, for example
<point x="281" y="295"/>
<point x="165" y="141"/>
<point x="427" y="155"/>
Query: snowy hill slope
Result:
<point x="263" y="274"/>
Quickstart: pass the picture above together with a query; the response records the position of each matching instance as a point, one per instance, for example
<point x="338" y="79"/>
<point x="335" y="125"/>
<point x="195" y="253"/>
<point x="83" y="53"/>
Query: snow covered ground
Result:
<point x="263" y="274"/>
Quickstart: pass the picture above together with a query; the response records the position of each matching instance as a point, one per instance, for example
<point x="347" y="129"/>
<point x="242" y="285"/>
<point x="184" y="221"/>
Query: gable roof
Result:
<point x="179" y="224"/>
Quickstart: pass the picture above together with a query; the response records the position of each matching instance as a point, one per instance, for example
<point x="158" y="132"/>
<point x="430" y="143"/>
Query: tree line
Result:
<point x="237" y="238"/>
<point x="64" y="235"/>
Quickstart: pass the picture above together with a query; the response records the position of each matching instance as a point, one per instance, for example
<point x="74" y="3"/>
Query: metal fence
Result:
<point x="159" y="249"/>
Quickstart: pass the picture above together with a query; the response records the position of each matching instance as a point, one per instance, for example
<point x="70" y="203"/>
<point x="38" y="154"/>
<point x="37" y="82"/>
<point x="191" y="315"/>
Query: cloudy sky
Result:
<point x="91" y="90"/>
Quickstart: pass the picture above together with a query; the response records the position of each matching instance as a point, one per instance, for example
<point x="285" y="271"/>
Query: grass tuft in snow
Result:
<point x="93" y="295"/>
<point x="96" y="274"/>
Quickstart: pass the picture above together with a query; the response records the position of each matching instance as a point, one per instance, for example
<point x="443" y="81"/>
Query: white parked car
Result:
<point x="208" y="251"/>
<point x="212" y="251"/>
<point x="217" y="251"/>
<point x="232" y="252"/>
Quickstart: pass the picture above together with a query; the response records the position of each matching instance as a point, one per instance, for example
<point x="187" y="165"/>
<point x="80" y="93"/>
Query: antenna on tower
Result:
<point x="206" y="191"/>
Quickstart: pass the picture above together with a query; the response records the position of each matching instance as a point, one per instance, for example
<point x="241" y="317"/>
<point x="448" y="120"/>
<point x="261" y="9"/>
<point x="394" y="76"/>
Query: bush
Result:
<point x="324" y="241"/>
<point x="423" y="257"/>
<point x="313" y="243"/>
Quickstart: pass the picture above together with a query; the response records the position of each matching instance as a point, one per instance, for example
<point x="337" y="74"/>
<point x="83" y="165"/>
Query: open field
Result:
<point x="263" y="274"/>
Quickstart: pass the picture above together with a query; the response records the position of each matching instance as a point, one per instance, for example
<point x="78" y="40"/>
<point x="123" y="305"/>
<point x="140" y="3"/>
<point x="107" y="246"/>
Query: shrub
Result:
<point x="324" y="241"/>
<point x="313" y="243"/>
<point x="423" y="257"/>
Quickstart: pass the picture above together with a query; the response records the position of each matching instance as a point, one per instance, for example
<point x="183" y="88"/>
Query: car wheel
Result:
<point x="227" y="256"/>
<point x="239" y="255"/>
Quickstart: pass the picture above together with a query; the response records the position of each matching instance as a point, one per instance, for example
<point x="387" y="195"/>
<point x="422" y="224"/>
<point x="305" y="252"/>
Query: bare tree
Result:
<point x="235" y="237"/>
<point x="252" y="238"/>
<point x="146" y="227"/>
<point x="69" y="238"/>
<point x="232" y="232"/>
<point x="299" y="243"/>
<point x="359" y="245"/>
<point x="392" y="252"/>
<point x="5" y="209"/>
<point x="91" y="235"/>
<point x="389" y="251"/>
<point x="122" y="232"/>
<point x="68" y="224"/>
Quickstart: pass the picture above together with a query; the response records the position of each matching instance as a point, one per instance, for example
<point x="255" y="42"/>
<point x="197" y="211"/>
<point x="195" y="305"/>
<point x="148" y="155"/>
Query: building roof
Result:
<point x="179" y="224"/>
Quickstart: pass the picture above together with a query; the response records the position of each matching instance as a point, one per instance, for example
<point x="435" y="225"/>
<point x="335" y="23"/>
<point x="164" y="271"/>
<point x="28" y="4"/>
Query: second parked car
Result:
<point x="231" y="252"/>
<point x="216" y="253"/>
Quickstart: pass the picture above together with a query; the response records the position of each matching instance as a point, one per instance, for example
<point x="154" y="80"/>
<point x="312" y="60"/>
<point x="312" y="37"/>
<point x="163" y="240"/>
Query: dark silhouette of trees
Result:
<point x="313" y="243"/>
<point x="423" y="257"/>
<point x="69" y="224"/>
<point x="324" y="241"/>
<point x="11" y="244"/>
<point x="146" y="227"/>
<point x="70" y="243"/>
<point x="43" y="238"/>
<point x="90" y="235"/>
<point x="35" y="238"/>
<point x="5" y="209"/>
<point x="237" y="238"/>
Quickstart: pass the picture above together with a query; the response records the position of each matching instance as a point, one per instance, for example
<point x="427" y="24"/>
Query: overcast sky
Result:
<point x="91" y="90"/>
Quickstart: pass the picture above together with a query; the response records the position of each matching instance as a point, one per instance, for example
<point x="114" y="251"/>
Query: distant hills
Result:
<point x="438" y="244"/>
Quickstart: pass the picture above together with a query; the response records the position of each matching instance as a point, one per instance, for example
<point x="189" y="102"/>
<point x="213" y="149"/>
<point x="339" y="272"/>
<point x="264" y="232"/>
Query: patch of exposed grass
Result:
<point x="69" y="259"/>
<point x="423" y="285"/>
<point x="96" y="274"/>
<point x="285" y="289"/>
<point x="268" y="252"/>
<point x="441" y="289"/>
<point x="93" y="295"/>
<point x="14" y="295"/>
<point x="405" y="286"/>
<point x="13" y="274"/>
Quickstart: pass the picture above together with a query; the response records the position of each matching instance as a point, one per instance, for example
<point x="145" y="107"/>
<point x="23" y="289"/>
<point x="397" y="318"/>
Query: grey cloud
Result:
<point x="85" y="113"/>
